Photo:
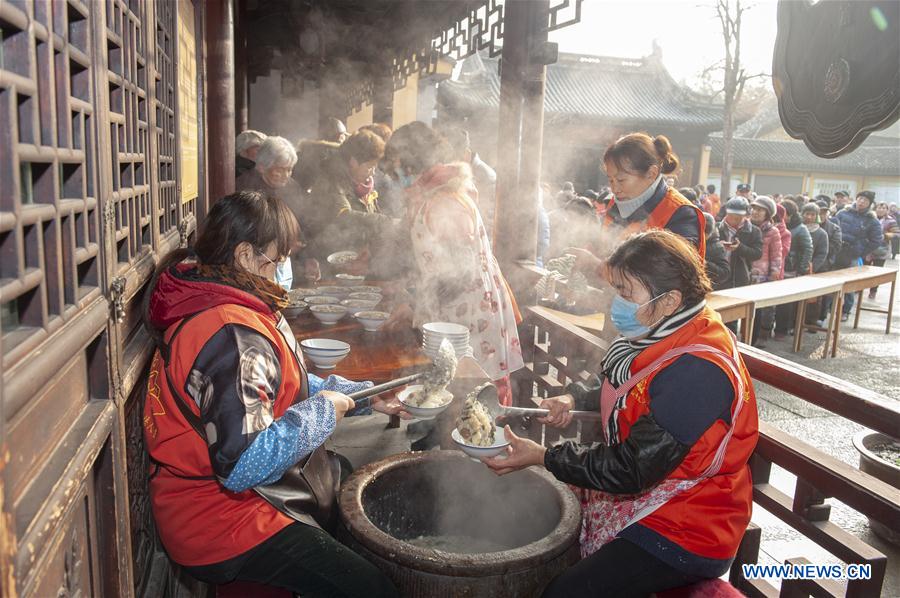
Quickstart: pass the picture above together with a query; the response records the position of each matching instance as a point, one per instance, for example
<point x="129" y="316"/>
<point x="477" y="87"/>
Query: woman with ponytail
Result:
<point x="636" y="165"/>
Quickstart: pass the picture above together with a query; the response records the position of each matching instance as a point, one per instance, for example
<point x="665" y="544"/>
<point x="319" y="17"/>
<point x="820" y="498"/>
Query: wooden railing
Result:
<point x="558" y="353"/>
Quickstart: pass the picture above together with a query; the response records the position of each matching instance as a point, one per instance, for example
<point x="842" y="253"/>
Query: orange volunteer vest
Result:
<point x="199" y="520"/>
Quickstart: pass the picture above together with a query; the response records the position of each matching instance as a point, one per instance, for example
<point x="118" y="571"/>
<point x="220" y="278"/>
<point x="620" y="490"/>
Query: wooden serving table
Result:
<point x="732" y="309"/>
<point x="791" y="290"/>
<point x="377" y="356"/>
<point x="856" y="280"/>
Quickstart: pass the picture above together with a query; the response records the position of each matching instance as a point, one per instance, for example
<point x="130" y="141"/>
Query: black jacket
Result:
<point x="658" y="441"/>
<point x="743" y="256"/>
<point x="717" y="267"/>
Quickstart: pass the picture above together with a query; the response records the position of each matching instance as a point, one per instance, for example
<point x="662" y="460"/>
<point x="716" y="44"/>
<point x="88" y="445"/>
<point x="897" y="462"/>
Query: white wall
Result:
<point x="273" y="113"/>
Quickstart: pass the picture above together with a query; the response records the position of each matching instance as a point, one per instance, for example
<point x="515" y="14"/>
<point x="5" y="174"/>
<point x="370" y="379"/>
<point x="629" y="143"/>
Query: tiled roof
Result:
<point x="876" y="156"/>
<point x="614" y="90"/>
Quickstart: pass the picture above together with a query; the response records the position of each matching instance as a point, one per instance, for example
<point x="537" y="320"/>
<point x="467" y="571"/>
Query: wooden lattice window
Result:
<point x="164" y="103"/>
<point x="49" y="225"/>
<point x="127" y="77"/>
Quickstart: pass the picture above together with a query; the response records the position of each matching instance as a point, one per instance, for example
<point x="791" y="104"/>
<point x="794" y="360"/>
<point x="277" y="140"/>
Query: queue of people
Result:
<point x="232" y="415"/>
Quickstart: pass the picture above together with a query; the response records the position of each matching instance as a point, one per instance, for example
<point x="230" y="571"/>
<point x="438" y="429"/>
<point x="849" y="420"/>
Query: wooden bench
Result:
<point x="856" y="280"/>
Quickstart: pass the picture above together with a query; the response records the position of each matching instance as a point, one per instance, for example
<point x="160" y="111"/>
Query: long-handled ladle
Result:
<point x="489" y="398"/>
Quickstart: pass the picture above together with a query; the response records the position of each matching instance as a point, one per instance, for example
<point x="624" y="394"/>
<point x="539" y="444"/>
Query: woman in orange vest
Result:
<point x="667" y="496"/>
<point x="230" y="409"/>
<point x="636" y="164"/>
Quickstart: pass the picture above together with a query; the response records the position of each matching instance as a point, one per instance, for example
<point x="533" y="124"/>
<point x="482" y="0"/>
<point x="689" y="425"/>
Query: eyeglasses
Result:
<point x="270" y="260"/>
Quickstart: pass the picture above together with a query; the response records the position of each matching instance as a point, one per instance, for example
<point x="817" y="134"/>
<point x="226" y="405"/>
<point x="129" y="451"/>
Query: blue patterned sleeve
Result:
<point x="315" y="384"/>
<point x="342" y="385"/>
<point x="287" y="440"/>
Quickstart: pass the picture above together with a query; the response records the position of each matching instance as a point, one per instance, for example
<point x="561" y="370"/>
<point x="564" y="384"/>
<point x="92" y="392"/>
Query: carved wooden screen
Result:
<point x="89" y="201"/>
<point x="60" y="423"/>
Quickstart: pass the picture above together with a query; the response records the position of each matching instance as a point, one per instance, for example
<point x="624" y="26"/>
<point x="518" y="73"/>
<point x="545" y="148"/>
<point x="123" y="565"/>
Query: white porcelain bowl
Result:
<point x="364" y="288"/>
<point x="372" y="320"/>
<point x="423" y="412"/>
<point x="295" y="309"/>
<point x="445" y="329"/>
<point x="321" y="300"/>
<point x="334" y="291"/>
<point x="342" y="258"/>
<point x="328" y="314"/>
<point x="357" y="305"/>
<point x="349" y="279"/>
<point x="376" y="297"/>
<point x="481" y="452"/>
<point x="325" y="353"/>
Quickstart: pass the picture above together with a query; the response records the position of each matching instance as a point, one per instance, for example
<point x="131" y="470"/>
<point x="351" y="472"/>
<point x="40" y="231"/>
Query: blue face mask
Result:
<point x="284" y="274"/>
<point x="404" y="179"/>
<point x="623" y="314"/>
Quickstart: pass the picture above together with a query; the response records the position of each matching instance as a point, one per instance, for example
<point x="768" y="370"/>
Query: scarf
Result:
<point x="267" y="291"/>
<point x="812" y="227"/>
<point x="362" y="190"/>
<point x="627" y="207"/>
<point x="617" y="363"/>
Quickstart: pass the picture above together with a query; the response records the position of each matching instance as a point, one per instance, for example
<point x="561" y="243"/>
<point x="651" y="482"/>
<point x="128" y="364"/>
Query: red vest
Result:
<point x="709" y="519"/>
<point x="660" y="216"/>
<point x="199" y="521"/>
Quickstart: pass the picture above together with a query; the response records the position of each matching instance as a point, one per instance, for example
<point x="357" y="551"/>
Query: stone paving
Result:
<point x="866" y="356"/>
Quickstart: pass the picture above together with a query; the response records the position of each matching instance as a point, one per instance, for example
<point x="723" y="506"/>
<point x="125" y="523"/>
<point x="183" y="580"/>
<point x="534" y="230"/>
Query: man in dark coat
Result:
<point x="741" y="239"/>
<point x="862" y="235"/>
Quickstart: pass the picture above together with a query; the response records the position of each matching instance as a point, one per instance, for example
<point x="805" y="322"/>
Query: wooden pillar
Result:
<point x="520" y="133"/>
<point x="220" y="98"/>
<point x="241" y="85"/>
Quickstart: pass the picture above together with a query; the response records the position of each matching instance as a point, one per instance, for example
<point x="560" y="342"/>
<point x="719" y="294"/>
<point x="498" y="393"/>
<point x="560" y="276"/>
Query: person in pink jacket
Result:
<point x="768" y="267"/>
<point x="785" y="234"/>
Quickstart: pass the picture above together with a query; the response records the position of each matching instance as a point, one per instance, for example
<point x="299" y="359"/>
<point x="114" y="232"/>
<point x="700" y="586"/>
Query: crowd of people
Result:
<point x="234" y="422"/>
<point x="753" y="238"/>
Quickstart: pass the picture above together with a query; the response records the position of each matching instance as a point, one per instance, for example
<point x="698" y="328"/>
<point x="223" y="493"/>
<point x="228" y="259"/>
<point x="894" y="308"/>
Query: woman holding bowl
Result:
<point x="667" y="496"/>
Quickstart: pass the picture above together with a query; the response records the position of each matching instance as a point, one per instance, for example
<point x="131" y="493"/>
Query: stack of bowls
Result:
<point x="434" y="332"/>
<point x="325" y="353"/>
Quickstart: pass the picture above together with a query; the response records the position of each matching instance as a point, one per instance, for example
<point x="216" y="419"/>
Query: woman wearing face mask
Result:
<point x="275" y="161"/>
<point x="230" y="408"/>
<point x="667" y="496"/>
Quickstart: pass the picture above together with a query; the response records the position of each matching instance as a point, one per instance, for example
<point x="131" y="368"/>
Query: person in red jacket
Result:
<point x="667" y="496"/>
<point x="230" y="408"/>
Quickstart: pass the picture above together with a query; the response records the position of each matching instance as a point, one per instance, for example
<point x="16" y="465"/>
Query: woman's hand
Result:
<point x="390" y="406"/>
<point x="311" y="271"/>
<point x="520" y="453"/>
<point x="587" y="263"/>
<point x="401" y="317"/>
<point x="342" y="403"/>
<point x="560" y="407"/>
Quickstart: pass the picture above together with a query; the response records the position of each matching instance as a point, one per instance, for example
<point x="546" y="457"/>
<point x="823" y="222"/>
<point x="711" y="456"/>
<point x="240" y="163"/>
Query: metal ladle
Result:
<point x="431" y="371"/>
<point x="489" y="397"/>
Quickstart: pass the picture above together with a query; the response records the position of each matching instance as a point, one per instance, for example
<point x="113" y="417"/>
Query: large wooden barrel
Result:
<point x="441" y="524"/>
